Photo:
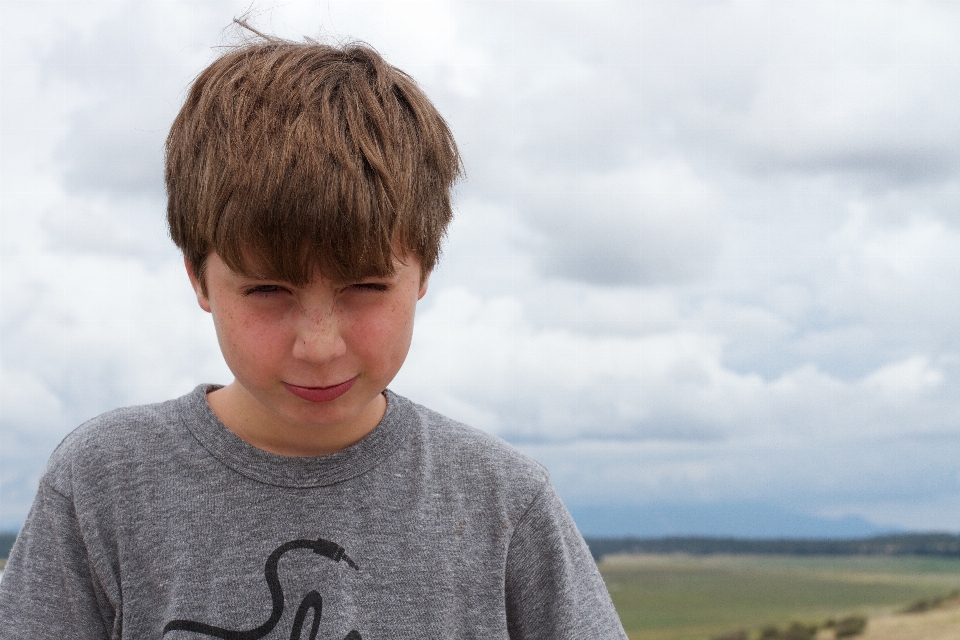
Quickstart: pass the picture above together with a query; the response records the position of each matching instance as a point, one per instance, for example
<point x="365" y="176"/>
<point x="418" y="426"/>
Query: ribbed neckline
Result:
<point x="296" y="472"/>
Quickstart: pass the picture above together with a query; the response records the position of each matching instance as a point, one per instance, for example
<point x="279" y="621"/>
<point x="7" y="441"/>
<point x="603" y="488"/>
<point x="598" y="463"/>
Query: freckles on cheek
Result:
<point x="246" y="336"/>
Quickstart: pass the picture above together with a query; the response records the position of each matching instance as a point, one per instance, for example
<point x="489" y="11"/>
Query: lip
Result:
<point x="320" y="394"/>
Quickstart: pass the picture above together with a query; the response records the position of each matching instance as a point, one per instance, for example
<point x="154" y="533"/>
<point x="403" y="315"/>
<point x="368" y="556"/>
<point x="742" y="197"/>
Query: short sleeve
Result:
<point x="48" y="589"/>
<point x="553" y="587"/>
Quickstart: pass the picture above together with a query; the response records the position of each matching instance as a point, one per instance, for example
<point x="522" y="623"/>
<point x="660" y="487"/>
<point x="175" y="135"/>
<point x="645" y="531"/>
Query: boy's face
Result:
<point x="310" y="362"/>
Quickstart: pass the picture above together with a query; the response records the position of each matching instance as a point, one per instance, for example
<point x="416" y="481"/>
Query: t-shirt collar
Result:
<point x="299" y="472"/>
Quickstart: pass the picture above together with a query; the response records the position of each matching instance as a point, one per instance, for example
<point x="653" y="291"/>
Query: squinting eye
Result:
<point x="262" y="289"/>
<point x="372" y="286"/>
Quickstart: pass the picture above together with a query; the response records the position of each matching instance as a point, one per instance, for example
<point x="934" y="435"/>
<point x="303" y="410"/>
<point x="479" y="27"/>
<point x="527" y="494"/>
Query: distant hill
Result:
<point x="945" y="545"/>
<point x="719" y="520"/>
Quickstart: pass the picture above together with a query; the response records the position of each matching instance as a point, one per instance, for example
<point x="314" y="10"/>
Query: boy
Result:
<point x="309" y="191"/>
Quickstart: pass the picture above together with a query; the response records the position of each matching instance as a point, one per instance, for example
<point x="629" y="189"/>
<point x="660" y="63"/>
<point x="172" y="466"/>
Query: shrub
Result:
<point x="850" y="626"/>
<point x="929" y="603"/>
<point x="733" y="635"/>
<point x="921" y="605"/>
<point x="796" y="631"/>
<point x="799" y="631"/>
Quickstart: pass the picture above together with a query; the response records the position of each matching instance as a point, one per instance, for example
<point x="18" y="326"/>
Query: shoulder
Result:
<point x="114" y="441"/>
<point x="475" y="459"/>
<point x="469" y="445"/>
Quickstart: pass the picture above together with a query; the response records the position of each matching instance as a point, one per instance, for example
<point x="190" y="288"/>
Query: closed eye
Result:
<point x="372" y="286"/>
<point x="263" y="289"/>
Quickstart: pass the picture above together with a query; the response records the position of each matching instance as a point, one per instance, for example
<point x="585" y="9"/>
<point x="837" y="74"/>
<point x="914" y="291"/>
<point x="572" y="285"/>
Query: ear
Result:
<point x="202" y="298"/>
<point x="424" y="281"/>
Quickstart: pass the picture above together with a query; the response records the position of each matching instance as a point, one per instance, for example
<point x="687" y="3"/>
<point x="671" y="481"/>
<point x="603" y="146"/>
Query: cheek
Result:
<point x="384" y="338"/>
<point x="247" y="341"/>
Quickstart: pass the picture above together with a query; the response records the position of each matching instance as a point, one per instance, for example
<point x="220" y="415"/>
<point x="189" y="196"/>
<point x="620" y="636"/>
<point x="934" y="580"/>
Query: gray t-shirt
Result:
<point x="158" y="522"/>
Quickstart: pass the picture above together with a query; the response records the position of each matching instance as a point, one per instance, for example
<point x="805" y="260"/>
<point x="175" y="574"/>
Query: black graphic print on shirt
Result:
<point x="311" y="603"/>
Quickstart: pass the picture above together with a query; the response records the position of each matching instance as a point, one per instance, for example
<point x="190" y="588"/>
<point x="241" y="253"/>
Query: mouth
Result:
<point x="320" y="394"/>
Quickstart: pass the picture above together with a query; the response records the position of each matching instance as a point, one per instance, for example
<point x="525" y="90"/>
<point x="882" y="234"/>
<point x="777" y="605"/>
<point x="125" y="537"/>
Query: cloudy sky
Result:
<point x="707" y="253"/>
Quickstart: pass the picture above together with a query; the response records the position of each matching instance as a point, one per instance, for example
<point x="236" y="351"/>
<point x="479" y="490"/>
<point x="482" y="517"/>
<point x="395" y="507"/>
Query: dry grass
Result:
<point x="942" y="623"/>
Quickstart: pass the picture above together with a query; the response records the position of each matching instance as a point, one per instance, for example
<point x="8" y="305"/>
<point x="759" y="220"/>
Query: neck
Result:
<point x="253" y="423"/>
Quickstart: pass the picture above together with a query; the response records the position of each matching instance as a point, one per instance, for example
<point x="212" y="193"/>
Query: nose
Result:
<point x="319" y="338"/>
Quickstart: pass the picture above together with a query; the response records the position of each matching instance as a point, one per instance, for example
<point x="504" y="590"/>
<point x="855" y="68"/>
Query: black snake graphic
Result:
<point x="311" y="602"/>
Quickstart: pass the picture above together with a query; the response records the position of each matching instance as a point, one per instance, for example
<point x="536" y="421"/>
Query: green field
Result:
<point x="694" y="598"/>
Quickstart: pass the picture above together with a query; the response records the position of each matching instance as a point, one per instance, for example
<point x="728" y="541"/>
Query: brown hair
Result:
<point x="290" y="157"/>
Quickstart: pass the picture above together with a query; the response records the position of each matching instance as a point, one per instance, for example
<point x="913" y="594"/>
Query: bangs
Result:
<point x="317" y="217"/>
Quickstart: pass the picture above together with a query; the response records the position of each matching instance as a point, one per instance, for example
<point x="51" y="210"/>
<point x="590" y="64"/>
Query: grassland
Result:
<point x="682" y="597"/>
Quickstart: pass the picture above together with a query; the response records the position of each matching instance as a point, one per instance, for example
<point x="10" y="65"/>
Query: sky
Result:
<point x="706" y="254"/>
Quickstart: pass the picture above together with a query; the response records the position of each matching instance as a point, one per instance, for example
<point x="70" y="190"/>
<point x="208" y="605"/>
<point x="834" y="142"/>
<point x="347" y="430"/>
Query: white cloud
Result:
<point x="906" y="378"/>
<point x="647" y="224"/>
<point x="28" y="402"/>
<point x="812" y="86"/>
<point x="910" y="268"/>
<point x="485" y="359"/>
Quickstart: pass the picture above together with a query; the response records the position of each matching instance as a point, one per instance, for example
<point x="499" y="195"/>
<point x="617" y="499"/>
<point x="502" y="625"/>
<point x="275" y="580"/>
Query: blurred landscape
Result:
<point x="897" y="587"/>
<point x="747" y="597"/>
